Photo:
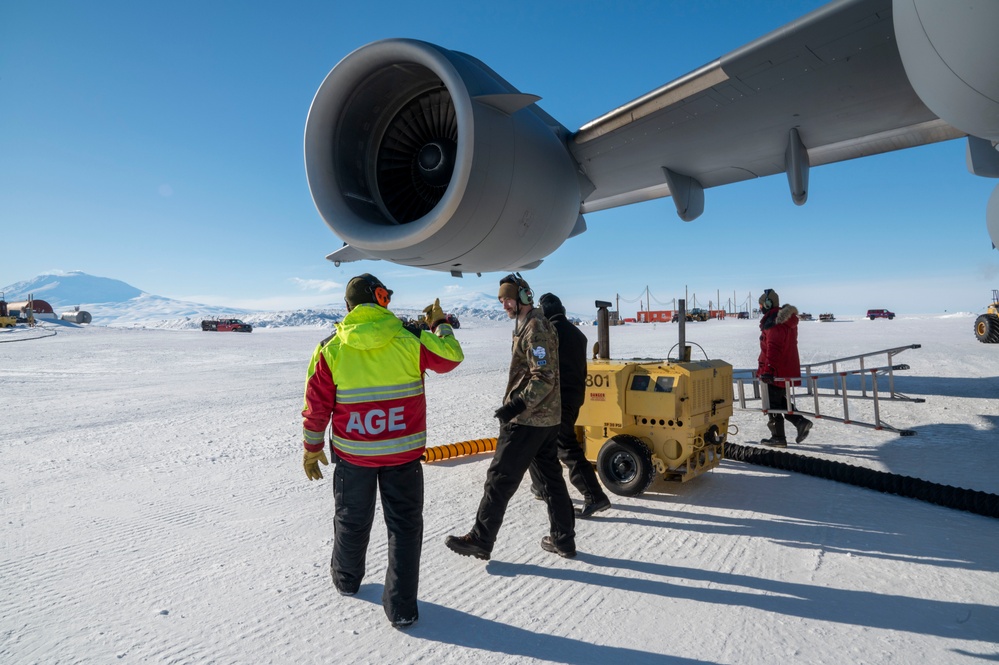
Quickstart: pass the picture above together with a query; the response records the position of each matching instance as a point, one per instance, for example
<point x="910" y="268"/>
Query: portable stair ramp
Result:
<point x="843" y="380"/>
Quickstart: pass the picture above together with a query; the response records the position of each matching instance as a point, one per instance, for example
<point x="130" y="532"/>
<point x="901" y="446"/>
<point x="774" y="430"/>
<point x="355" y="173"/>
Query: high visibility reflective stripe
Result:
<point x="386" y="447"/>
<point x="379" y="393"/>
<point x="312" y="437"/>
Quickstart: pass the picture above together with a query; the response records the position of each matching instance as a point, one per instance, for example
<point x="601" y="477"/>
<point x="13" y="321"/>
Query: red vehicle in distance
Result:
<point x="225" y="325"/>
<point x="880" y="314"/>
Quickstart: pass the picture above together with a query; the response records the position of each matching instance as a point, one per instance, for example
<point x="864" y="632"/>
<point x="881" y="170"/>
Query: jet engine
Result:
<point x="425" y="157"/>
<point x="949" y="51"/>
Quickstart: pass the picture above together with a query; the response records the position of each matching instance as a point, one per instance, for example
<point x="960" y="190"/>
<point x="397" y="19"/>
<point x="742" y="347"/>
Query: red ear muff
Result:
<point x="382" y="296"/>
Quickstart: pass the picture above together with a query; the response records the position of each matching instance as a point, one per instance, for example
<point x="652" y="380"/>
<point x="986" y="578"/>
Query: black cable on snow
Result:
<point x="973" y="501"/>
<point x="51" y="333"/>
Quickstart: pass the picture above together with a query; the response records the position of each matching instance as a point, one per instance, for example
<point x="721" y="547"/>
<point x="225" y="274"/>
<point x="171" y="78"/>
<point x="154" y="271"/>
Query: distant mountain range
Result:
<point x="112" y="302"/>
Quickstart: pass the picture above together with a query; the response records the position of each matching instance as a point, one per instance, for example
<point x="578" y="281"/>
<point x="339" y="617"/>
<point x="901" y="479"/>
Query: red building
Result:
<point x="37" y="306"/>
<point x="653" y="316"/>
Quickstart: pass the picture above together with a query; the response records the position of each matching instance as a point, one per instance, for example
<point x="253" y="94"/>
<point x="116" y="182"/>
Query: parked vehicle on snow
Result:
<point x="225" y="325"/>
<point x="880" y="314"/>
<point x="987" y="324"/>
<point x="695" y="314"/>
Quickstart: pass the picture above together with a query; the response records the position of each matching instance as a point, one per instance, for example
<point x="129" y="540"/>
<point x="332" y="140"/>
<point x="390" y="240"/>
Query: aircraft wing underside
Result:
<point x="835" y="76"/>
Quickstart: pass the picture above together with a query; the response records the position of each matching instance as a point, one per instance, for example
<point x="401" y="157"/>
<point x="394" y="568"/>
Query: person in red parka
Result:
<point x="779" y="365"/>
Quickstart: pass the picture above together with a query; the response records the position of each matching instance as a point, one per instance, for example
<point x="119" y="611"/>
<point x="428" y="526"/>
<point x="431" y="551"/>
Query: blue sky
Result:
<point x="161" y="144"/>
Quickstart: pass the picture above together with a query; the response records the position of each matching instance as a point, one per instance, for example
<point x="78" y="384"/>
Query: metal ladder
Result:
<point x="834" y="385"/>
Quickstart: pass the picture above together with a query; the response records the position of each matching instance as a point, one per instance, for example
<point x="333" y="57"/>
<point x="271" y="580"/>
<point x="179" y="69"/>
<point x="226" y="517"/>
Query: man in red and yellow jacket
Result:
<point x="366" y="383"/>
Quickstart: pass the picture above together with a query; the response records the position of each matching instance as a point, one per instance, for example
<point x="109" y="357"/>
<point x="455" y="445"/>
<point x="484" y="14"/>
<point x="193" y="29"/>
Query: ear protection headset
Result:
<point x="524" y="293"/>
<point x="382" y="295"/>
<point x="766" y="300"/>
<point x="379" y="293"/>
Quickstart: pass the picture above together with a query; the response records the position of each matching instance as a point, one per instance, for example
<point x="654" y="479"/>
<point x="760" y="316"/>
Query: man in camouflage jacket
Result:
<point x="529" y="422"/>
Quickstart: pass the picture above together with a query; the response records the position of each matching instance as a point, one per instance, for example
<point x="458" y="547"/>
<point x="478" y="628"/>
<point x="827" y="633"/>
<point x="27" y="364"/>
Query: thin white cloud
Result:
<point x="317" y="285"/>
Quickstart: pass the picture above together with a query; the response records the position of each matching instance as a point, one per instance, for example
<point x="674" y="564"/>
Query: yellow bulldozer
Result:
<point x="987" y="325"/>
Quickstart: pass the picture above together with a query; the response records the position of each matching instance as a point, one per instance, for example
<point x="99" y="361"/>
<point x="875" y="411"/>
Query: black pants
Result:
<point x="519" y="448"/>
<point x="570" y="452"/>
<point x="778" y="400"/>
<point x="401" y="490"/>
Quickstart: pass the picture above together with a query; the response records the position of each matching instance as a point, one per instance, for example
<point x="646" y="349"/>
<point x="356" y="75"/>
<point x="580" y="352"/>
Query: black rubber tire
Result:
<point x="987" y="329"/>
<point x="624" y="465"/>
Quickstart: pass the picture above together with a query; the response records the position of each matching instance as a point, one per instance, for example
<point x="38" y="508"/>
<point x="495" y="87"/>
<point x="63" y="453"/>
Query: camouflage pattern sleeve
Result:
<point x="534" y="373"/>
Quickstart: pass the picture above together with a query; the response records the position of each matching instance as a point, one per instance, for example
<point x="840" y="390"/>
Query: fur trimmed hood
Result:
<point x="776" y="317"/>
<point x="785" y="313"/>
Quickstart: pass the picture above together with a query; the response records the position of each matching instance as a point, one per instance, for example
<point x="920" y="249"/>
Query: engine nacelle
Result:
<point x="425" y="157"/>
<point x="949" y="51"/>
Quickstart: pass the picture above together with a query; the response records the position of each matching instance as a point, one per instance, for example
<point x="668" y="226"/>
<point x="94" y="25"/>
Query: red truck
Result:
<point x="225" y="325"/>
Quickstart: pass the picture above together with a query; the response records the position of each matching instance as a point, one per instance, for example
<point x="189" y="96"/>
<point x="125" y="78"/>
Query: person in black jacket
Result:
<point x="572" y="371"/>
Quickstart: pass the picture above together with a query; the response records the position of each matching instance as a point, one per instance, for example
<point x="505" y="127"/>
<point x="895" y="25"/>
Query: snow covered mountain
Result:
<point x="66" y="290"/>
<point x="112" y="302"/>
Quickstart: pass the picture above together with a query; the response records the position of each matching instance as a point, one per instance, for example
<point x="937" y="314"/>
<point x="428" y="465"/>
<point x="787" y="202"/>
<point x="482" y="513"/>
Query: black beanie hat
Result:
<point x="551" y="305"/>
<point x="361" y="289"/>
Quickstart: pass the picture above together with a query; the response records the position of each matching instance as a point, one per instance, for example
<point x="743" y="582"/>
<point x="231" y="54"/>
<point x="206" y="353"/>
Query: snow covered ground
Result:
<point x="155" y="510"/>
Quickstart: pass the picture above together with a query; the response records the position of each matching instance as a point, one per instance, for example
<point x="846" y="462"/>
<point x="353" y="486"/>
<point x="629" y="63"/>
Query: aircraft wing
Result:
<point x="426" y="157"/>
<point x="834" y="76"/>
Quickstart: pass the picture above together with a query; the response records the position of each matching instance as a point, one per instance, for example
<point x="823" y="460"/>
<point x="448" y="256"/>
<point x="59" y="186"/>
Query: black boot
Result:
<point x="776" y="426"/>
<point x="592" y="507"/>
<point x="802" y="426"/>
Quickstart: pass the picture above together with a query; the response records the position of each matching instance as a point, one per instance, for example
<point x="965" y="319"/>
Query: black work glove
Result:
<point x="768" y="375"/>
<point x="510" y="410"/>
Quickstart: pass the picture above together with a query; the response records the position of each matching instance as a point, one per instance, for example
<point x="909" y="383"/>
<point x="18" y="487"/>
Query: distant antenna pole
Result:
<point x="648" y="304"/>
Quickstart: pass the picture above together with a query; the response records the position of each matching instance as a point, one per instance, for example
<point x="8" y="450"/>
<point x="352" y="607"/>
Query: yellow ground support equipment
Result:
<point x="6" y="321"/>
<point x="644" y="418"/>
<point x="987" y="325"/>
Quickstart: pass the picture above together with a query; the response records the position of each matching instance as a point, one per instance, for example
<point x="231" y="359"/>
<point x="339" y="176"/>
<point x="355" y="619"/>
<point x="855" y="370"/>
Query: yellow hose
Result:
<point x="450" y="450"/>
